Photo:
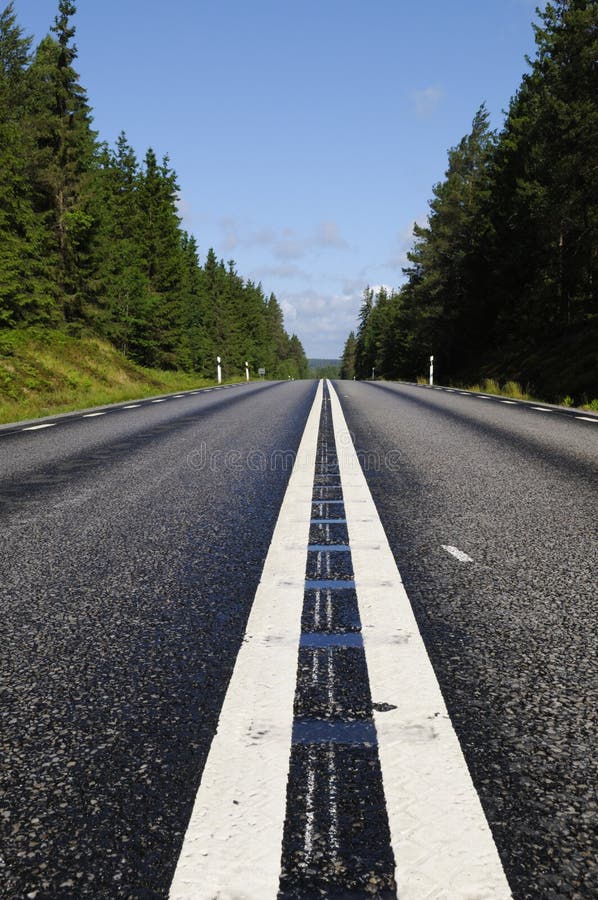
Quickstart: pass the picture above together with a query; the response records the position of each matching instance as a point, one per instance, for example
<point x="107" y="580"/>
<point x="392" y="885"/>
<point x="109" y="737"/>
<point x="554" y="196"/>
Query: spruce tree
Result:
<point x="25" y="294"/>
<point x="63" y="148"/>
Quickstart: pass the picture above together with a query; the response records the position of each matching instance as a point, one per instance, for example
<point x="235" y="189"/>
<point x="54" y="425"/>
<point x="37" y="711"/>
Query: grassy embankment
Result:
<point x="48" y="372"/>
<point x="514" y="391"/>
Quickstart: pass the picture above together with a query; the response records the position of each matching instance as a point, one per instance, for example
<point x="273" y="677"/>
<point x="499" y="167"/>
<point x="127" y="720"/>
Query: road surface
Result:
<point x="133" y="551"/>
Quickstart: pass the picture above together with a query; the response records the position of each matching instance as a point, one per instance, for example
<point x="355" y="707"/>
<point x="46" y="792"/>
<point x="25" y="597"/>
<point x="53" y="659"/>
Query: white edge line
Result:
<point x="132" y="406"/>
<point x="232" y="847"/>
<point x="541" y="409"/>
<point x="441" y="840"/>
<point x="92" y="415"/>
<point x="458" y="554"/>
<point x="586" y="419"/>
<point x="37" y="427"/>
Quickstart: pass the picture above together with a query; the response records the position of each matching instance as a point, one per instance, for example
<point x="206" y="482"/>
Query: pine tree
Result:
<point x="348" y="358"/>
<point x="62" y="156"/>
<point x="24" y="293"/>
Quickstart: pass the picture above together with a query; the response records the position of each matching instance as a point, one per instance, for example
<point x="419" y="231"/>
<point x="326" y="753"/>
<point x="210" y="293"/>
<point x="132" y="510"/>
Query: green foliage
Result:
<point x="43" y="371"/>
<point x="348" y="361"/>
<point x="502" y="277"/>
<point x="91" y="240"/>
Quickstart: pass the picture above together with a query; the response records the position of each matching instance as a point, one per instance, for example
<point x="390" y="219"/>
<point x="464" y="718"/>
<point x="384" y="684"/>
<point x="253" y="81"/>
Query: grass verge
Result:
<point x="43" y="373"/>
<point x="514" y="391"/>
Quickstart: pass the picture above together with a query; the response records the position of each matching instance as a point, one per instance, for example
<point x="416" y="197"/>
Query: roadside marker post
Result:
<point x="431" y="370"/>
<point x="246" y="371"/>
<point x="219" y="370"/>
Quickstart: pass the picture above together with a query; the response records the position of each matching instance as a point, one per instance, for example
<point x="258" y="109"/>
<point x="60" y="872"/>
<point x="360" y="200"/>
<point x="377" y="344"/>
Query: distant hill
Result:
<point x="316" y="364"/>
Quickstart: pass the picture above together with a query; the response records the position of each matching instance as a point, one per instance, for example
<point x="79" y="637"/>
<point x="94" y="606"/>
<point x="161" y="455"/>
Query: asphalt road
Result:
<point x="131" y="548"/>
<point x="512" y="634"/>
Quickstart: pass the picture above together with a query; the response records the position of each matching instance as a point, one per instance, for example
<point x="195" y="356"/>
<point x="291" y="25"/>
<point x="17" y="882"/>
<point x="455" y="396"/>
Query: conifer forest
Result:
<point x="91" y="241"/>
<point x="502" y="277"/>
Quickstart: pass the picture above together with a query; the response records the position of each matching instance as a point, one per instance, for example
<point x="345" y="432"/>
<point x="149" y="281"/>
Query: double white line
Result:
<point x="442" y="844"/>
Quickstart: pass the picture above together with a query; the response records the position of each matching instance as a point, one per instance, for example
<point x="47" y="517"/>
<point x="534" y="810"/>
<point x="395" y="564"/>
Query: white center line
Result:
<point x="233" y="843"/>
<point x="458" y="554"/>
<point x="441" y="840"/>
<point x="37" y="427"/>
<point x="309" y="804"/>
<point x="333" y="800"/>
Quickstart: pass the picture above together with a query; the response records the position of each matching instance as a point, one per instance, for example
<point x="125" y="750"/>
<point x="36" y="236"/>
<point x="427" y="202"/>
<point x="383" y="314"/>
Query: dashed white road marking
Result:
<point x="132" y="406"/>
<point x="93" y="415"/>
<point x="233" y="845"/>
<point x="442" y="844"/>
<point x="161" y="400"/>
<point x="510" y="402"/>
<point x="541" y="409"/>
<point x="586" y="419"/>
<point x="37" y="427"/>
<point x="458" y="554"/>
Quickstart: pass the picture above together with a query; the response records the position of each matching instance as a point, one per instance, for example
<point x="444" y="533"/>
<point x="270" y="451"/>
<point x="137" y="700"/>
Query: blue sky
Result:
<point x="306" y="134"/>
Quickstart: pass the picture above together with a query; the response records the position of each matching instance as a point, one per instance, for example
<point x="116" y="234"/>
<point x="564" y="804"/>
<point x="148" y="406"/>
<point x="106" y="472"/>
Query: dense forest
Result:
<point x="90" y="236"/>
<point x="502" y="278"/>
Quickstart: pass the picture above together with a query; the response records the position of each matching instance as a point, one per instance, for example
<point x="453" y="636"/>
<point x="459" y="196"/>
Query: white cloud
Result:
<point x="403" y="243"/>
<point x="427" y="101"/>
<point x="184" y="210"/>
<point x="328" y="235"/>
<point x="289" y="245"/>
<point x="284" y="243"/>
<point x="285" y="270"/>
<point x="323" y="321"/>
<point x="231" y="237"/>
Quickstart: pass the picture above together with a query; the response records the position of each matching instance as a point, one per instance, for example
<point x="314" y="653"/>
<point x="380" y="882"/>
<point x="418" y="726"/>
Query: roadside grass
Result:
<point x="514" y="391"/>
<point x="48" y="372"/>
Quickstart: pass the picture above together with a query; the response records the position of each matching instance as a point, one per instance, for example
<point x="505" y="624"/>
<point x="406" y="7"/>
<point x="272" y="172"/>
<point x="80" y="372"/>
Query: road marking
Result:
<point x="510" y="402"/>
<point x="92" y="415"/>
<point x="465" y="394"/>
<point x="541" y="409"/>
<point x="586" y="419"/>
<point x="441" y="841"/>
<point x="159" y="401"/>
<point x="233" y="845"/>
<point x="132" y="406"/>
<point x="458" y="554"/>
<point x="37" y="427"/>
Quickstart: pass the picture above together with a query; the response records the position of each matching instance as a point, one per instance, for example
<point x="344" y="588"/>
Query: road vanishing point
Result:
<point x="300" y="640"/>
